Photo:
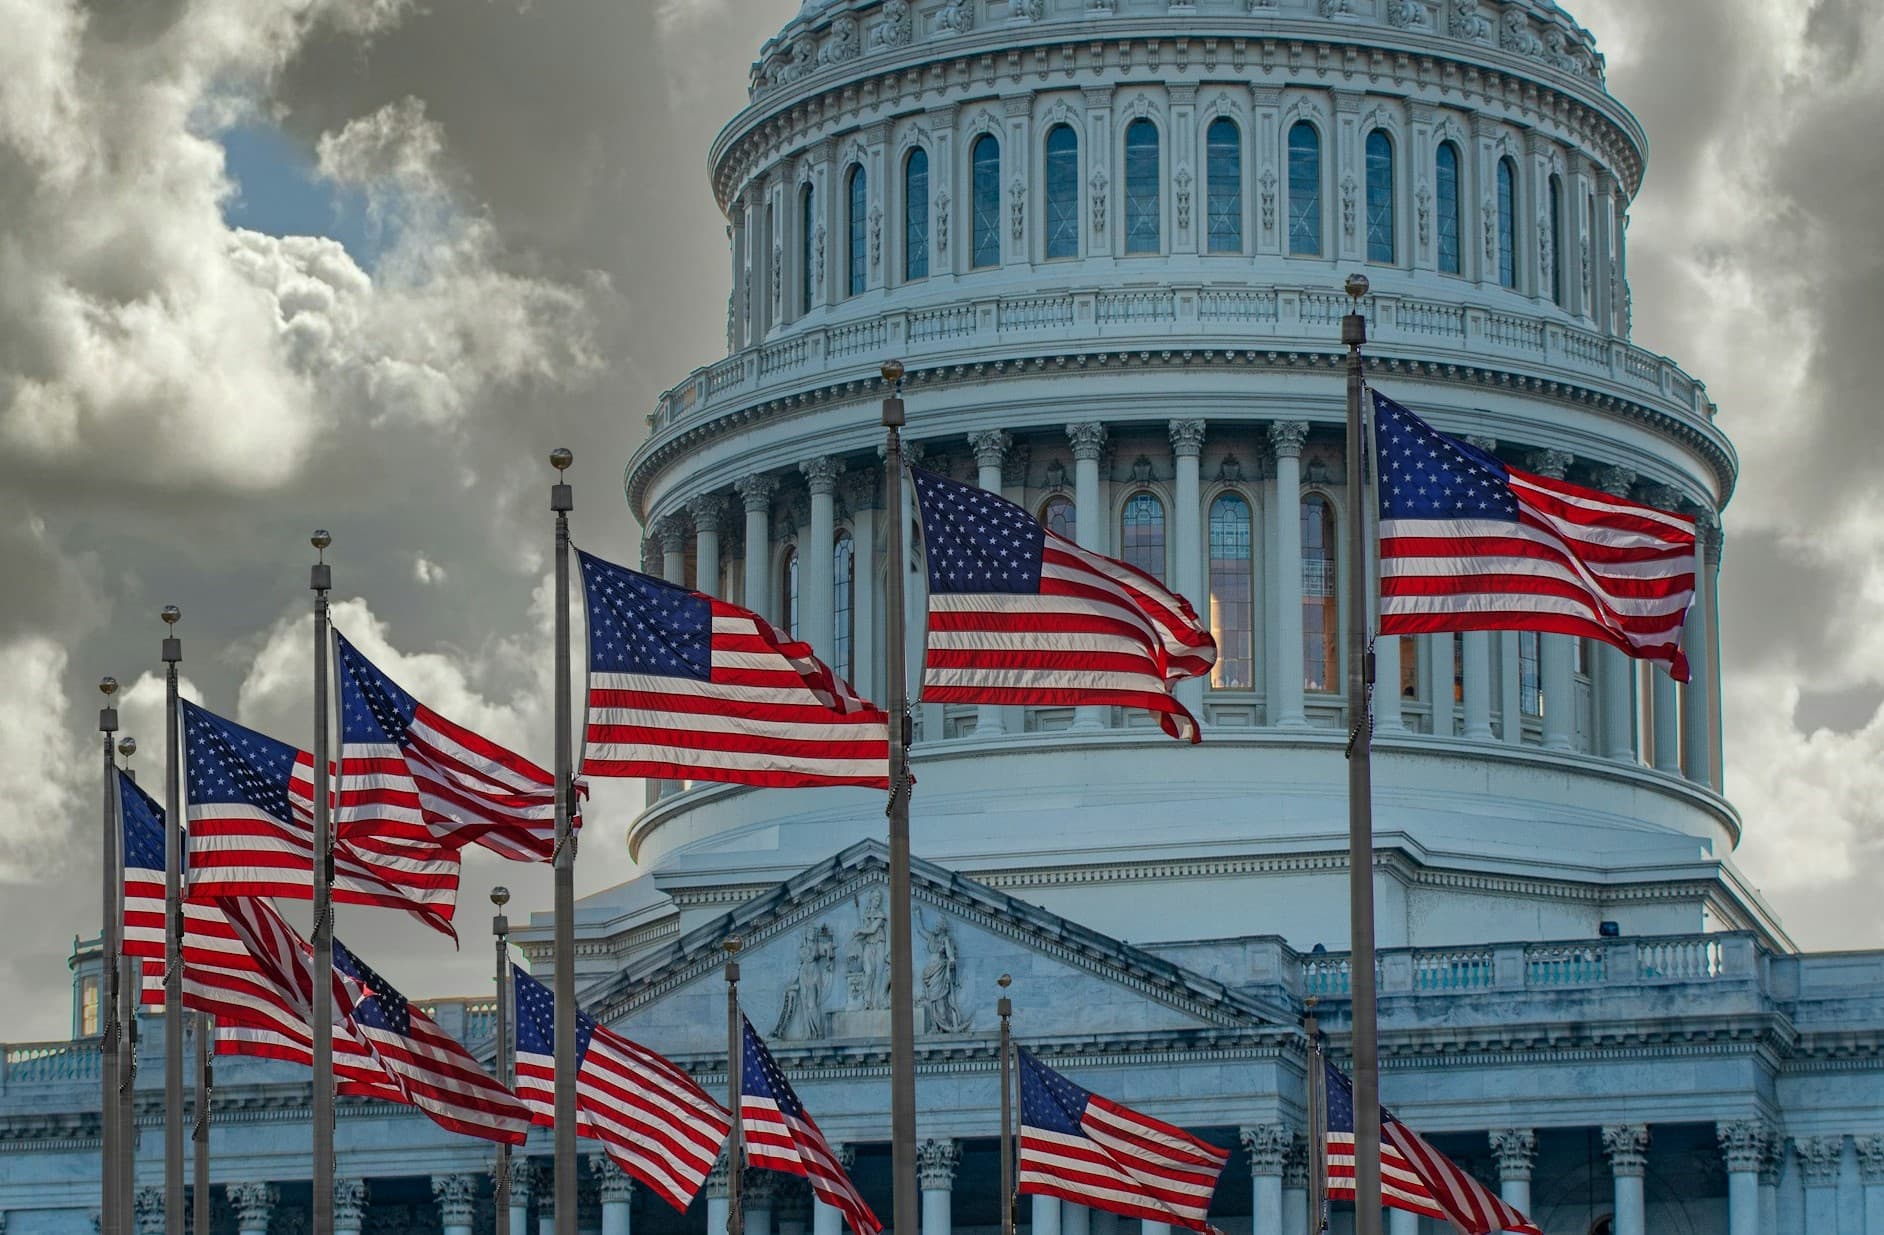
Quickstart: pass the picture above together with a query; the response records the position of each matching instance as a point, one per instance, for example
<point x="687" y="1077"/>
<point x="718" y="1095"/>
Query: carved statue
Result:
<point x="1516" y="35"/>
<point x="941" y="978"/>
<point x="843" y="44"/>
<point x="1031" y="10"/>
<point x="801" y="1015"/>
<point x="804" y="60"/>
<point x="1557" y="53"/>
<point x="1337" y="8"/>
<point x="870" y="944"/>
<point x="1466" y="22"/>
<point x="895" y="28"/>
<point x="1408" y="15"/>
<point x="955" y="17"/>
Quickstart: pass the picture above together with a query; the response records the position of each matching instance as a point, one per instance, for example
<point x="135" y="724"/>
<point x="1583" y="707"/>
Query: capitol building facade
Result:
<point x="1107" y="238"/>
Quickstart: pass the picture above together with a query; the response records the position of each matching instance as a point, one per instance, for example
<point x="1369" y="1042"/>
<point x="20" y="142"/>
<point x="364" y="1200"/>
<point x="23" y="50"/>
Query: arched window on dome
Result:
<point x="1446" y="206"/>
<point x="1062" y="192"/>
<point x="916" y="215"/>
<point x="1223" y="184"/>
<point x="856" y="225"/>
<point x="1507" y="222"/>
<point x="1379" y="196"/>
<point x="985" y="157"/>
<point x="1556" y="239"/>
<point x="1321" y="627"/>
<point x="808" y="251"/>
<point x="1141" y="533"/>
<point x="1530" y="690"/>
<point x="844" y="605"/>
<point x="1061" y="517"/>
<point x="1142" y="225"/>
<point x="1304" y="190"/>
<point x="788" y="591"/>
<point x="1232" y="593"/>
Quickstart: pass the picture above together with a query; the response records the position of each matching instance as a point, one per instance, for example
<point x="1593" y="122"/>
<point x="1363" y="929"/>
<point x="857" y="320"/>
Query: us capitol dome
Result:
<point x="1107" y="239"/>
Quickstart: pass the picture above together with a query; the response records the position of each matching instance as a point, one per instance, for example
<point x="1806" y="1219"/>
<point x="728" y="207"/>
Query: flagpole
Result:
<point x="1004" y="1008"/>
<point x="1361" y="792"/>
<point x="320" y="580"/>
<point x="173" y="935"/>
<point x="902" y="968"/>
<point x="205" y="1088"/>
<point x="131" y="997"/>
<point x="500" y="930"/>
<point x="1317" y="1124"/>
<point x="562" y="501"/>
<point x="735" y="1082"/>
<point x="110" y="1203"/>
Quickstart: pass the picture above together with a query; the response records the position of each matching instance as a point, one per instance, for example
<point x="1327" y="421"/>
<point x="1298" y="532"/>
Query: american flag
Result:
<point x="408" y="774"/>
<point x="250" y="810"/>
<point x="780" y="1136"/>
<point x="432" y="1071"/>
<point x="1470" y="543"/>
<point x="654" y="1121"/>
<point x="142" y="821"/>
<point x="687" y="687"/>
<point x="1020" y="615"/>
<point x="1413" y="1175"/>
<point x="1086" y="1149"/>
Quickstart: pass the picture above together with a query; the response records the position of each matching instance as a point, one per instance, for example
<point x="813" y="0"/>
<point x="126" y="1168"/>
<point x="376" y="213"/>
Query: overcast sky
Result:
<point x="359" y="263"/>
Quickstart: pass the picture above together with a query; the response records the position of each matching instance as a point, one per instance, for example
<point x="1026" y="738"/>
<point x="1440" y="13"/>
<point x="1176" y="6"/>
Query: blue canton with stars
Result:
<point x="1340" y="1101"/>
<point x="373" y="708"/>
<point x="977" y="541"/>
<point x="640" y="624"/>
<point x="1048" y="1100"/>
<point x="231" y="765"/>
<point x="1425" y="474"/>
<point x="760" y="1077"/>
<point x="381" y="1007"/>
<point x="143" y="826"/>
<point x="536" y="1018"/>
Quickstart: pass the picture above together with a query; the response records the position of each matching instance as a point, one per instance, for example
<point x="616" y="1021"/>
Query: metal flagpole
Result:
<point x="562" y="501"/>
<point x="321" y="579"/>
<point x="111" y="1210"/>
<point x="735" y="1083"/>
<point x="1317" y="1125"/>
<point x="205" y="1088"/>
<point x="173" y="935"/>
<point x="500" y="929"/>
<point x="1004" y="1008"/>
<point x="131" y="996"/>
<point x="1361" y="793"/>
<point x="902" y="969"/>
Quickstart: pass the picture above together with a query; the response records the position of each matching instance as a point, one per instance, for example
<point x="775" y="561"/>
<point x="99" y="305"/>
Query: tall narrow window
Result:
<point x="788" y="592"/>
<point x="1556" y="240"/>
<point x="844" y="604"/>
<point x="916" y="215"/>
<point x="1223" y="175"/>
<point x="986" y="157"/>
<point x="808" y="249"/>
<point x="1409" y="667"/>
<point x="1232" y="593"/>
<point x="1507" y="222"/>
<point x="1141" y="533"/>
<point x="856" y="223"/>
<point x="88" y="1007"/>
<point x="1530" y="693"/>
<point x="1141" y="187"/>
<point x="1446" y="189"/>
<point x="1062" y="192"/>
<point x="1321" y="629"/>
<point x="1304" y="190"/>
<point x="1061" y="517"/>
<point x="1379" y="196"/>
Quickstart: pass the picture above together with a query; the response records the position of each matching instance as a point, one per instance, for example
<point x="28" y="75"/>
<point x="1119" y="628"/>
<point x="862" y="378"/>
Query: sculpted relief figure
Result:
<point x="894" y="29"/>
<point x="801" y="1015"/>
<point x="956" y="17"/>
<point x="1466" y="22"/>
<point x="870" y="947"/>
<point x="941" y="979"/>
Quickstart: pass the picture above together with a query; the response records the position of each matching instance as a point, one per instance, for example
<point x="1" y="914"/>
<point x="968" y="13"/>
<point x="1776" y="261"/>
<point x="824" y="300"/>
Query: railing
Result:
<point x="1580" y="963"/>
<point x="1236" y="306"/>
<point x="1146" y="306"/>
<point x="947" y="322"/>
<point x="35" y="1063"/>
<point x="1326" y="976"/>
<point x="1679" y="960"/>
<point x="1034" y="313"/>
<point x="1525" y="334"/>
<point x="865" y="336"/>
<point x="1429" y="318"/>
<point x="1465" y="970"/>
<point x="1560" y="964"/>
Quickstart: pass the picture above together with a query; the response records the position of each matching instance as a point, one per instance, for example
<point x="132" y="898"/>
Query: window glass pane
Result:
<point x="1142" y="533"/>
<point x="1530" y="692"/>
<point x="1062" y="192"/>
<point x="1409" y="667"/>
<point x="807" y="259"/>
<point x="1223" y="150"/>
<point x="1446" y="184"/>
<point x="1232" y="599"/>
<point x="1321" y="630"/>
<point x="1556" y="240"/>
<point x="987" y="190"/>
<point x="1304" y="190"/>
<point x="1141" y="187"/>
<point x="791" y="592"/>
<point x="88" y="1007"/>
<point x="1379" y="197"/>
<point x="844" y="603"/>
<point x="1060" y="517"/>
<point x="1507" y="223"/>
<point x="916" y="215"/>
<point x="856" y="221"/>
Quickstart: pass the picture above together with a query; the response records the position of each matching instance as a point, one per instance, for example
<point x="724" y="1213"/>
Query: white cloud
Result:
<point x="42" y="777"/>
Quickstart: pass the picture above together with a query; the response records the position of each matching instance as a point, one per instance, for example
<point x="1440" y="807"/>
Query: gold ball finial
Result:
<point x="321" y="538"/>
<point x="561" y="458"/>
<point x="892" y="371"/>
<point x="127" y="746"/>
<point x="1004" y="981"/>
<point x="108" y="685"/>
<point x="1357" y="286"/>
<point x="732" y="944"/>
<point x="500" y="896"/>
<point x="172" y="615"/>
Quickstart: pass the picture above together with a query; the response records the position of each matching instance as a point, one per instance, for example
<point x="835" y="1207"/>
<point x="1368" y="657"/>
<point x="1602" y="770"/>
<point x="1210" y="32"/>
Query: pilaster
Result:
<point x="1089" y="440"/>
<point x="1187" y="561"/>
<point x="755" y="493"/>
<point x="1286" y="438"/>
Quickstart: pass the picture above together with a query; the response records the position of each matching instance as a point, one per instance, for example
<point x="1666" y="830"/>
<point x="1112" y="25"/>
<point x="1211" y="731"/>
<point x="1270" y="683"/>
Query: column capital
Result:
<point x="1743" y="1143"/>
<point x="935" y="1164"/>
<point x="1088" y="438"/>
<point x="821" y="474"/>
<point x="1268" y="1146"/>
<point x="1870" y="1158"/>
<point x="1187" y="438"/>
<point x="990" y="446"/>
<point x="612" y="1184"/>
<point x="718" y="1182"/>
<point x="1295" y="1165"/>
<point x="1819" y="1157"/>
<point x="523" y="1180"/>
<point x="1662" y="497"/>
<point x="1515" y="1150"/>
<point x="846" y="1155"/>
<point x="756" y="491"/>
<point x="862" y="488"/>
<point x="708" y="511"/>
<point x="1626" y="1146"/>
<point x="1486" y="444"/>
<point x="1773" y="1160"/>
<point x="456" y="1196"/>
<point x="1287" y="436"/>
<point x="761" y="1187"/>
<point x="1550" y="464"/>
<point x="254" y="1204"/>
<point x="671" y="531"/>
<point x="149" y="1208"/>
<point x="1615" y="480"/>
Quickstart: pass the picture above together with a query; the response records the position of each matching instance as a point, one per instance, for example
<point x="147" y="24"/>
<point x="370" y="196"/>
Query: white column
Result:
<point x="1439" y="682"/>
<point x="760" y="1189"/>
<point x="1560" y="705"/>
<point x="1743" y="1144"/>
<point x="1400" y="1222"/>
<point x="1871" y="1178"/>
<point x="1148" y="1227"/>
<point x="1697" y="704"/>
<point x="1046" y="1215"/>
<point x="1771" y="1162"/>
<point x="1268" y="1149"/>
<point x="1187" y="571"/>
<point x="816" y="600"/>
<point x="1627" y="1148"/>
<point x="1089" y="440"/>
<point x="1294" y="1189"/>
<point x="1615" y="690"/>
<point x="1270" y="620"/>
<point x="990" y="449"/>
<point x="456" y="1196"/>
<point x="828" y="1219"/>
<point x="935" y="1166"/>
<point x="1510" y="702"/>
<point x="863" y="494"/>
<point x="1387" y="715"/>
<point x="522" y="1187"/>
<point x="1075" y="1219"/>
<point x="707" y="511"/>
<point x="1819" y="1159"/>
<point x="1477" y="648"/>
<point x="1287" y="436"/>
<point x="672" y="533"/>
<point x="755" y="493"/>
<point x="254" y="1204"/>
<point x="1515" y="1150"/>
<point x="614" y="1189"/>
<point x="350" y="1208"/>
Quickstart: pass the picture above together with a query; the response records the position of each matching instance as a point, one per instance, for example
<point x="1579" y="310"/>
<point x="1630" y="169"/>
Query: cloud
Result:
<point x="41" y="781"/>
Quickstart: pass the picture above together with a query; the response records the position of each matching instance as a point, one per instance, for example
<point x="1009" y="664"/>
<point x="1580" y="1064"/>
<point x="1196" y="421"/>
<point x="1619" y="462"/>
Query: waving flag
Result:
<point x="1470" y="543"/>
<point x="780" y="1136"/>
<point x="1414" y="1176"/>
<point x="250" y="810"/>
<point x="407" y="773"/>
<point x="650" y="1116"/>
<point x="1020" y="615"/>
<point x="142" y="821"/>
<point x="687" y="687"/>
<point x="1083" y="1148"/>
